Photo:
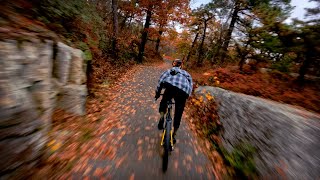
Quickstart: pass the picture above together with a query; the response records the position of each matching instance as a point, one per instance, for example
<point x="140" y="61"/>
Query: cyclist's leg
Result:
<point x="180" y="101"/>
<point x="167" y="95"/>
<point x="179" y="107"/>
<point x="163" y="102"/>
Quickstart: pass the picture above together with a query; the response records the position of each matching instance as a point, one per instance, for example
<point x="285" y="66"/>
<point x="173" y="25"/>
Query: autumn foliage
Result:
<point x="116" y="35"/>
<point x="204" y="120"/>
<point x="274" y="85"/>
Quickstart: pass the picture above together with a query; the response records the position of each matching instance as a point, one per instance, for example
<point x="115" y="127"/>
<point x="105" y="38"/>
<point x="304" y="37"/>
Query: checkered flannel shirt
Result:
<point x="181" y="79"/>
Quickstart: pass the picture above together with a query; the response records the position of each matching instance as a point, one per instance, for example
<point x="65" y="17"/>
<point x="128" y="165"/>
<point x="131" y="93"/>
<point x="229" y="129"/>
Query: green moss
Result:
<point x="87" y="55"/>
<point x="241" y="159"/>
<point x="82" y="45"/>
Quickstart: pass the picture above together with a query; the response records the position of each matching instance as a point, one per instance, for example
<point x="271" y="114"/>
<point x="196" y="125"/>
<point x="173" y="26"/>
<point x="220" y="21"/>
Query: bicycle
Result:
<point x="167" y="136"/>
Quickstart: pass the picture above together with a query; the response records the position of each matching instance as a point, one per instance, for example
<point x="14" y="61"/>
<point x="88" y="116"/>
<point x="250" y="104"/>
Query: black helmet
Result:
<point x="177" y="63"/>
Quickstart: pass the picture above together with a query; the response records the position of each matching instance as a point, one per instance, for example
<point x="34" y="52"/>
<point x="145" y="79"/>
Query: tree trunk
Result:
<point x="230" y="30"/>
<point x="192" y="46"/>
<point x="245" y="54"/>
<point x="304" y="67"/>
<point x="199" y="62"/>
<point x="144" y="36"/>
<point x="123" y="23"/>
<point x="158" y="41"/>
<point x="242" y="56"/>
<point x="219" y="43"/>
<point x="115" y="28"/>
<point x="241" y="63"/>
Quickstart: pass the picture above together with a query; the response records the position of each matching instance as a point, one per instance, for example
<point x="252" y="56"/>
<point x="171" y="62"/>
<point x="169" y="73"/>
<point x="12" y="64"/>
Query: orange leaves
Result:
<point x="140" y="153"/>
<point x="209" y="97"/>
<point x="203" y="109"/>
<point x="214" y="80"/>
<point x="87" y="171"/>
<point x="54" y="145"/>
<point x="203" y="118"/>
<point x="131" y="176"/>
<point x="120" y="161"/>
<point x="262" y="85"/>
<point x="79" y="140"/>
<point x="199" y="169"/>
<point x="114" y="135"/>
<point x="195" y="101"/>
<point x="199" y="101"/>
<point x="98" y="172"/>
<point x="176" y="164"/>
<point x="139" y="142"/>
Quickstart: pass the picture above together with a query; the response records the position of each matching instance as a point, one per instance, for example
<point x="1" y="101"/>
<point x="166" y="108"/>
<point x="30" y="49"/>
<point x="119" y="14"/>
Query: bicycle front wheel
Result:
<point x="166" y="149"/>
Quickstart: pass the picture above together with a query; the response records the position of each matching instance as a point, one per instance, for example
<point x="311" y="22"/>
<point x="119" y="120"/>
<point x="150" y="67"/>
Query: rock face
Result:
<point x="287" y="139"/>
<point x="69" y="79"/>
<point x="35" y="78"/>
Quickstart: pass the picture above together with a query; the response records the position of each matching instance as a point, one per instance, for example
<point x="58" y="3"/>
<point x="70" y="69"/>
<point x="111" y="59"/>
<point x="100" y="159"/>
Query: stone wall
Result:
<point x="287" y="139"/>
<point x="36" y="76"/>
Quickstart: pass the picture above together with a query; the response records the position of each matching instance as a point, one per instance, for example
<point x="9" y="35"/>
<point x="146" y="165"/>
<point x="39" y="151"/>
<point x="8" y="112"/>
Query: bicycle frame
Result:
<point x="167" y="136"/>
<point x="168" y="122"/>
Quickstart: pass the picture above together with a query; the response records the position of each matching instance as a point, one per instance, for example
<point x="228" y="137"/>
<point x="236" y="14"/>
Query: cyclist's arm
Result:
<point x="190" y="82"/>
<point x="163" y="76"/>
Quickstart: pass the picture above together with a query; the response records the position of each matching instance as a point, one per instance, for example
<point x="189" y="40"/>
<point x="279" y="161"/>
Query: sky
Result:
<point x="298" y="11"/>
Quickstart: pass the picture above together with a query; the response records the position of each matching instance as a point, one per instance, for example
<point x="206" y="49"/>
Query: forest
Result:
<point x="219" y="32"/>
<point x="245" y="36"/>
<point x="244" y="46"/>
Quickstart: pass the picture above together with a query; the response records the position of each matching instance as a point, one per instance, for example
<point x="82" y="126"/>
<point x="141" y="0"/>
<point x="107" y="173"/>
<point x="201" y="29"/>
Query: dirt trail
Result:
<point x="132" y="143"/>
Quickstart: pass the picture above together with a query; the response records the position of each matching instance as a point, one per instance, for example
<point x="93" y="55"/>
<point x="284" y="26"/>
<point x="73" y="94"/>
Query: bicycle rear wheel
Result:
<point x="166" y="146"/>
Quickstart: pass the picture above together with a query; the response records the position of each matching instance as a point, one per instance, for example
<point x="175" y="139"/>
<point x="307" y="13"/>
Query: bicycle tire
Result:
<point x="165" y="160"/>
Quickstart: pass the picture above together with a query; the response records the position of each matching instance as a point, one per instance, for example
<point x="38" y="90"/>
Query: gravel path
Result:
<point x="136" y="139"/>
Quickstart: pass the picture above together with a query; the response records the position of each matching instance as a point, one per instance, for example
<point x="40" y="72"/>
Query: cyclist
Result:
<point x="178" y="85"/>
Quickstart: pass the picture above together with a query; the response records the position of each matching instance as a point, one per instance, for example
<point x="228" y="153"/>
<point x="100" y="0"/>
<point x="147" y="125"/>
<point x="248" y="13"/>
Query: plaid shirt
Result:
<point x="180" y="79"/>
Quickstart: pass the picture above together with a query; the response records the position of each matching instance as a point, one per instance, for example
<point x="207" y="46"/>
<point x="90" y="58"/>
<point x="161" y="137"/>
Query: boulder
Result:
<point x="72" y="98"/>
<point x="61" y="66"/>
<point x="264" y="70"/>
<point x="285" y="137"/>
<point x="77" y="72"/>
<point x="30" y="84"/>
